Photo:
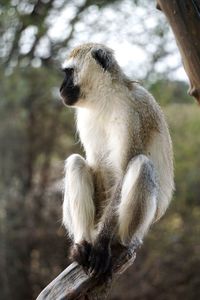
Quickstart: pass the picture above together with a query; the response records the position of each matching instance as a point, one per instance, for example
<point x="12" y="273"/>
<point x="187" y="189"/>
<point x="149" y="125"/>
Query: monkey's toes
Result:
<point x="100" y="261"/>
<point x="80" y="252"/>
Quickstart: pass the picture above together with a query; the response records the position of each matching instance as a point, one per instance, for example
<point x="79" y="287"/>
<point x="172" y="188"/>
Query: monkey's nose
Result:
<point x="68" y="71"/>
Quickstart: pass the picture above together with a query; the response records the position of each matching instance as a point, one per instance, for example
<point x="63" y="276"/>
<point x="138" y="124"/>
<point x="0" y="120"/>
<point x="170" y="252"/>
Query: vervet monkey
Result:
<point x="126" y="181"/>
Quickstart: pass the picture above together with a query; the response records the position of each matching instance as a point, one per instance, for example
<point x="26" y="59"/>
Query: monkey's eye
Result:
<point x="68" y="71"/>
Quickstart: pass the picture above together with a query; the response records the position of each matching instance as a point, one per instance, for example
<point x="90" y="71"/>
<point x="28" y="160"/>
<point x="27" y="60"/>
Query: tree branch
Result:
<point x="184" y="19"/>
<point x="74" y="283"/>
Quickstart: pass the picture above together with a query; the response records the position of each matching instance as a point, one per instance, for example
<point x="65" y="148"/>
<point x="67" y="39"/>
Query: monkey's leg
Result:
<point x="137" y="208"/>
<point x="78" y="206"/>
<point x="129" y="213"/>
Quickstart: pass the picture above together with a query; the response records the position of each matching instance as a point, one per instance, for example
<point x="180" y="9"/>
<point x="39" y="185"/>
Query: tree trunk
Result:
<point x="184" y="19"/>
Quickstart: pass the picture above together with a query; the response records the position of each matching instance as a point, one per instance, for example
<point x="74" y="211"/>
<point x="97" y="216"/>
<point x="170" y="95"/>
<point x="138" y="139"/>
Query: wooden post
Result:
<point x="184" y="19"/>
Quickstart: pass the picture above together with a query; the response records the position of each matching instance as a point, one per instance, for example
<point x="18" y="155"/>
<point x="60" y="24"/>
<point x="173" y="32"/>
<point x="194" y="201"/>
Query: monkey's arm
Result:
<point x="129" y="214"/>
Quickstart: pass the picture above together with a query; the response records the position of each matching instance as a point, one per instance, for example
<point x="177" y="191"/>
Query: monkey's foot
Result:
<point x="100" y="260"/>
<point x="80" y="252"/>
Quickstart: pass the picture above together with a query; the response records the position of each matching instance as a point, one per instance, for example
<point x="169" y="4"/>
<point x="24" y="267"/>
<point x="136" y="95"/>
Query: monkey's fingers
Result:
<point x="95" y="266"/>
<point x="92" y="261"/>
<point x="107" y="266"/>
<point x="100" y="262"/>
<point x="80" y="252"/>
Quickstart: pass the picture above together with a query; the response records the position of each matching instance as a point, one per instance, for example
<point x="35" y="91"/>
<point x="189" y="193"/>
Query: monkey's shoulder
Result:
<point x="147" y="107"/>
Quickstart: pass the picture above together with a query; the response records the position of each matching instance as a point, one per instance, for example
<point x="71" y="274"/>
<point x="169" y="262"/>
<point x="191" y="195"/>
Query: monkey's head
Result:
<point x="88" y="71"/>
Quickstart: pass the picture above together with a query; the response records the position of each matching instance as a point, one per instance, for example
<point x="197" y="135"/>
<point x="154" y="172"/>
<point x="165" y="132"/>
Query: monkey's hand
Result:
<point x="80" y="252"/>
<point x="95" y="259"/>
<point x="100" y="258"/>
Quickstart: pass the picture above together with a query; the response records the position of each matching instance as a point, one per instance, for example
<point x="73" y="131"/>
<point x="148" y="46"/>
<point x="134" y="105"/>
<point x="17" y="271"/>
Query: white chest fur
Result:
<point x="103" y="138"/>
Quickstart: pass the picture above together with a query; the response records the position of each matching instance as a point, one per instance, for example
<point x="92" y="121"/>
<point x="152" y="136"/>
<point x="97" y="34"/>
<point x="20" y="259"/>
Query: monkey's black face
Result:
<point x="69" y="92"/>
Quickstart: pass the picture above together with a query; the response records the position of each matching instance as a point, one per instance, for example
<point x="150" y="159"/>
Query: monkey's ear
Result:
<point x="103" y="58"/>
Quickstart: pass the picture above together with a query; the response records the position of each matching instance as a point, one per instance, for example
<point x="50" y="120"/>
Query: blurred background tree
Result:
<point x="37" y="134"/>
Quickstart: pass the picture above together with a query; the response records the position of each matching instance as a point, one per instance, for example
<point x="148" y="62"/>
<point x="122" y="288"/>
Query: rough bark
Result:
<point x="184" y="19"/>
<point x="74" y="283"/>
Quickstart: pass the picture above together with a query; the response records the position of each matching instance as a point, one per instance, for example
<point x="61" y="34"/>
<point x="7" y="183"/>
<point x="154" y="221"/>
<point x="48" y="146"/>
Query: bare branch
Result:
<point x="74" y="283"/>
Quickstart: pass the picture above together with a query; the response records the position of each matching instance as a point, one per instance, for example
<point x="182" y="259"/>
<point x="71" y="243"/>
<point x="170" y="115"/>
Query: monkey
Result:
<point x="126" y="181"/>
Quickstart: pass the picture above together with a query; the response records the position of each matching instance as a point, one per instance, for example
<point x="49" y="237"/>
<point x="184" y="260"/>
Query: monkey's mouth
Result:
<point x="62" y="87"/>
<point x="69" y="94"/>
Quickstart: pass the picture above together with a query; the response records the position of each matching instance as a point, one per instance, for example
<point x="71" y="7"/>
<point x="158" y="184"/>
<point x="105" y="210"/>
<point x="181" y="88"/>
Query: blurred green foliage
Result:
<point x="36" y="135"/>
<point x="176" y="92"/>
